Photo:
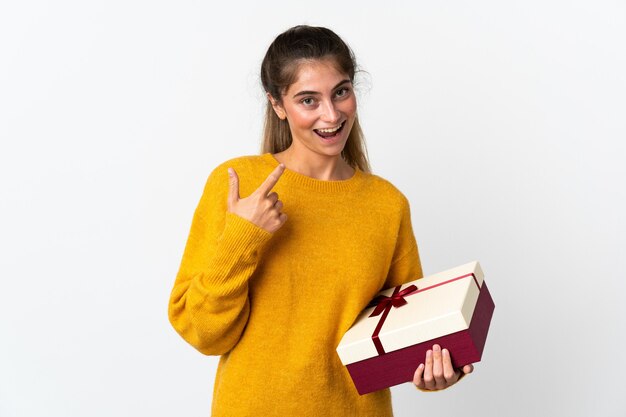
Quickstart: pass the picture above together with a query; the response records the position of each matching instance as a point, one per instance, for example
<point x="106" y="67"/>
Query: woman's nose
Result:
<point x="329" y="112"/>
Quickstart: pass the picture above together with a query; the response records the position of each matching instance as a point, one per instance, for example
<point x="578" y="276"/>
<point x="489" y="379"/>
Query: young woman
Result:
<point x="286" y="248"/>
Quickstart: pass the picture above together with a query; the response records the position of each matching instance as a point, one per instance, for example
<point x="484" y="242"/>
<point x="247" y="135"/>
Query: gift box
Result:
<point x="389" y="339"/>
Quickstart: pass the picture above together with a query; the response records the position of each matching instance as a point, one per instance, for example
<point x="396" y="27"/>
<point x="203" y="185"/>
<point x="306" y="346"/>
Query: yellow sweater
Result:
<point x="275" y="305"/>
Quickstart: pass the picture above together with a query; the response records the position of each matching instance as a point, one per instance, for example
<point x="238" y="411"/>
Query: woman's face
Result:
<point x="320" y="107"/>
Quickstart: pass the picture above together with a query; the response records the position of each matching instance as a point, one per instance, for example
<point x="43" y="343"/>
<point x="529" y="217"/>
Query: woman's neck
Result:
<point x="314" y="165"/>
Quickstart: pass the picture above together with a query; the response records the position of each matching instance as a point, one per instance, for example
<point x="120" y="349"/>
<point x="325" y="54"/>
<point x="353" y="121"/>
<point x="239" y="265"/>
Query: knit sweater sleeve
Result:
<point x="405" y="264"/>
<point x="209" y="303"/>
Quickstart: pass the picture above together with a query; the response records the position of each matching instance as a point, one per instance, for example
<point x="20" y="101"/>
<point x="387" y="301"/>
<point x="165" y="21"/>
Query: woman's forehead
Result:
<point x="317" y="75"/>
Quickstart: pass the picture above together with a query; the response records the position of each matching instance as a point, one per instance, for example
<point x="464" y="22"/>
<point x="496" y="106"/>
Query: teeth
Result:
<point x="329" y="130"/>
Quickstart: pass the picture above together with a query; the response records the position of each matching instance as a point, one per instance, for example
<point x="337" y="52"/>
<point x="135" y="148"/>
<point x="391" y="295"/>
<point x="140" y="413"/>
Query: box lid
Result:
<point x="442" y="304"/>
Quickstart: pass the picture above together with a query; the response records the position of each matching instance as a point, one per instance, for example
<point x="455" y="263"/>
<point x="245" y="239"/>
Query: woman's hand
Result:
<point x="260" y="208"/>
<point x="438" y="373"/>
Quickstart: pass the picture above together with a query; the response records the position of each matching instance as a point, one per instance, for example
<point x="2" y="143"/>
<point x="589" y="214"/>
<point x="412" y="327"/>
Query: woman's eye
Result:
<point x="307" y="101"/>
<point x="342" y="92"/>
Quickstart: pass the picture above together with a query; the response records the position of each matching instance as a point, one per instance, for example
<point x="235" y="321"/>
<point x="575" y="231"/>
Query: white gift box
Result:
<point x="389" y="339"/>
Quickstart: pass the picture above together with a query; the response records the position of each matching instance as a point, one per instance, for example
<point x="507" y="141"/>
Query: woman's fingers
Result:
<point x="262" y="207"/>
<point x="429" y="379"/>
<point x="449" y="373"/>
<point x="271" y="180"/>
<point x="273" y="197"/>
<point x="468" y="369"/>
<point x="440" y="381"/>
<point x="438" y="372"/>
<point x="418" y="377"/>
<point x="233" y="188"/>
<point x="275" y="203"/>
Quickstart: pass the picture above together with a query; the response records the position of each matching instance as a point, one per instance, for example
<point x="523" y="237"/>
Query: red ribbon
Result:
<point x="396" y="300"/>
<point x="383" y="305"/>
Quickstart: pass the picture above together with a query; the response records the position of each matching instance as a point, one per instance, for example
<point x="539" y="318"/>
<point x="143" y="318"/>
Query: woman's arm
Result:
<point x="209" y="303"/>
<point x="405" y="264"/>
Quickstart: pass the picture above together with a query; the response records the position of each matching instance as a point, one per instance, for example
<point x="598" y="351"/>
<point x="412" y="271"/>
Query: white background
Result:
<point x="502" y="122"/>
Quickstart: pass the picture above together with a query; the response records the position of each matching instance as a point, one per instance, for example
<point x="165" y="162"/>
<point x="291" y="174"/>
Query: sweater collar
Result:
<point x="313" y="183"/>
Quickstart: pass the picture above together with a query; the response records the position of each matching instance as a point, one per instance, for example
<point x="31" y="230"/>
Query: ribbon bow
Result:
<point x="396" y="300"/>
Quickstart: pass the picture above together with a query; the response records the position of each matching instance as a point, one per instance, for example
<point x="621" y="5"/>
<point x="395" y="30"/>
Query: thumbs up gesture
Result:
<point x="261" y="207"/>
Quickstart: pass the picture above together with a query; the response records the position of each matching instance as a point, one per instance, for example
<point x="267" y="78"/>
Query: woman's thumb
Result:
<point x="233" y="187"/>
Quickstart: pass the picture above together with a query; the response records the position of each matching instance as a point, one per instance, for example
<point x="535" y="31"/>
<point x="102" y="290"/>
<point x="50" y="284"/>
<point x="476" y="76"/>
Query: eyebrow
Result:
<point x="306" y="93"/>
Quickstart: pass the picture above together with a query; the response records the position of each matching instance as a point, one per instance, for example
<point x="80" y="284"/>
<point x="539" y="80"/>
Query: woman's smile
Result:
<point x="330" y="134"/>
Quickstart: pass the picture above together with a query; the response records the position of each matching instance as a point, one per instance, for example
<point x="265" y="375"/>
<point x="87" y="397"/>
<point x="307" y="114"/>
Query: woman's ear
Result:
<point x="280" y="112"/>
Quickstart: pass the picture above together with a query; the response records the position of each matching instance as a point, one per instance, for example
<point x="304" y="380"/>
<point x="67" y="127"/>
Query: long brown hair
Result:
<point x="279" y="70"/>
